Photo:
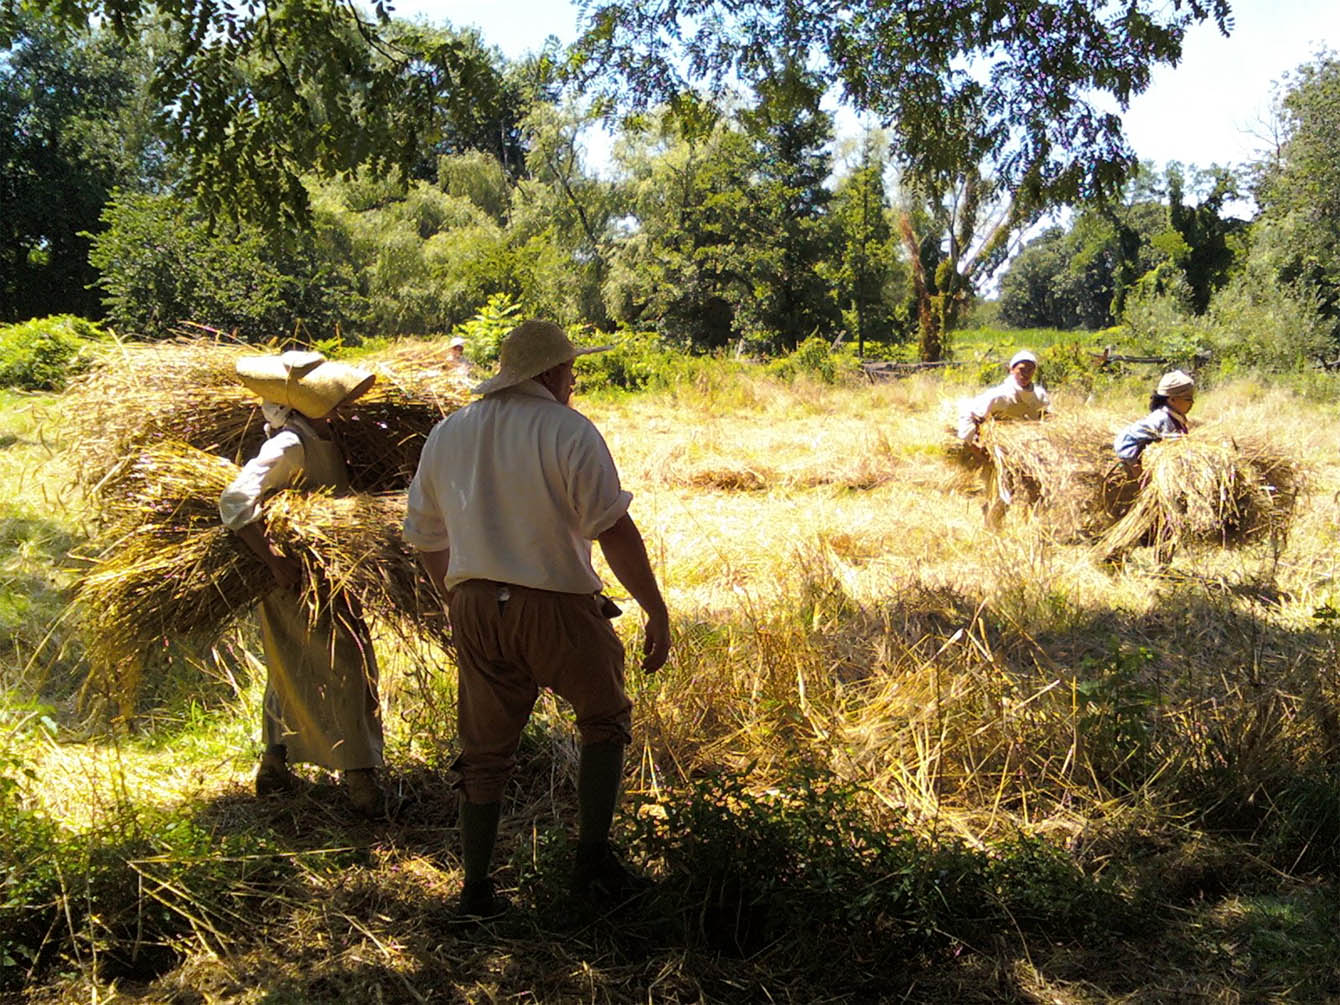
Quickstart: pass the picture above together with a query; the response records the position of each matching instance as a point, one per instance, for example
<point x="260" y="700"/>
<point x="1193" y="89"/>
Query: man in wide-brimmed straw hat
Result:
<point x="1172" y="399"/>
<point x="321" y="687"/>
<point x="1019" y="396"/>
<point x="510" y="492"/>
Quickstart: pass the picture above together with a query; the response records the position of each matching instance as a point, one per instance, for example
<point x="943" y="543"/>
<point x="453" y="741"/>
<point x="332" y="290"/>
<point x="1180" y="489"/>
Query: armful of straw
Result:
<point x="286" y="571"/>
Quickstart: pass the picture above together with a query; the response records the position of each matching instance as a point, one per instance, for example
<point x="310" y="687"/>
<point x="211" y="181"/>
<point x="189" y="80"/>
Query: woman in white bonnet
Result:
<point x="1019" y="396"/>
<point x="1168" y="407"/>
<point x="321" y="703"/>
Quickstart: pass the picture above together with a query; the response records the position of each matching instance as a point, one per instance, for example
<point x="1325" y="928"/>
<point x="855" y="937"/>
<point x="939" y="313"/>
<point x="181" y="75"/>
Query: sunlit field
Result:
<point x="988" y="766"/>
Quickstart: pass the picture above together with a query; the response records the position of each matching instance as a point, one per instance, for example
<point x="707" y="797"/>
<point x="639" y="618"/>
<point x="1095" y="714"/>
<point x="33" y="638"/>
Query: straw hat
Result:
<point x="306" y="381"/>
<point x="1175" y="384"/>
<point x="529" y="349"/>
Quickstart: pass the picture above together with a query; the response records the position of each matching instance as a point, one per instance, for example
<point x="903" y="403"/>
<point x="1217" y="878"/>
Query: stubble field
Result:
<point x="893" y="757"/>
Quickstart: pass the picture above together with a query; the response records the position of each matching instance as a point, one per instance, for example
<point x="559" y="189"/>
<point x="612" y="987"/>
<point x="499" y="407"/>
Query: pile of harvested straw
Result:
<point x="172" y="573"/>
<point x="139" y="395"/>
<point x="1204" y="488"/>
<point x="1064" y="462"/>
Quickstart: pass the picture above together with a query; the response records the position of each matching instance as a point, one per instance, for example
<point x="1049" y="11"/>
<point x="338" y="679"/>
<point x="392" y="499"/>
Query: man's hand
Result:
<point x="627" y="557"/>
<point x="656" y="642"/>
<point x="286" y="571"/>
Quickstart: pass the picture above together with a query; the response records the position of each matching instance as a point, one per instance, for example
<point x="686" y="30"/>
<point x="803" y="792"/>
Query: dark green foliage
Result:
<point x="1033" y="116"/>
<point x="870" y="284"/>
<point x="689" y="190"/>
<point x="803" y="873"/>
<point x="73" y="125"/>
<point x="734" y="237"/>
<point x="1062" y="279"/>
<point x="163" y="263"/>
<point x="1299" y="190"/>
<point x="42" y="354"/>
<point x="1081" y="277"/>
<point x="786" y="231"/>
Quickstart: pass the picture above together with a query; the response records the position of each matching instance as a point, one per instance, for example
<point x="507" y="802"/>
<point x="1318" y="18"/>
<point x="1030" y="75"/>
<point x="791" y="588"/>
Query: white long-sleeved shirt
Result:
<point x="1006" y="400"/>
<point x="517" y="485"/>
<point x="280" y="460"/>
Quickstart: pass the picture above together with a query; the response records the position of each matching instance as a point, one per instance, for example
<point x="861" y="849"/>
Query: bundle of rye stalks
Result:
<point x="1208" y="489"/>
<point x="140" y="395"/>
<point x="173" y="574"/>
<point x="1064" y="462"/>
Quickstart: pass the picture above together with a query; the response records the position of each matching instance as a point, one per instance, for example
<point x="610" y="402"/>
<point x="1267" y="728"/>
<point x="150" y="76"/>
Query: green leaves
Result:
<point x="1008" y="82"/>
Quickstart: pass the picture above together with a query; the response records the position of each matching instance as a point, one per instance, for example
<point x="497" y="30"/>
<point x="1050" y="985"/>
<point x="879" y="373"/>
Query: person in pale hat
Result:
<point x="460" y="366"/>
<point x="509" y="494"/>
<point x="1019" y="396"/>
<point x="1167" y="419"/>
<point x="321" y="703"/>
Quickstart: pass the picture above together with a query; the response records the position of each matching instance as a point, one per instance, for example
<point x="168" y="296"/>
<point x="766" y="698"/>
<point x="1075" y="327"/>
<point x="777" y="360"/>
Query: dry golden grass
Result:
<point x="885" y="631"/>
<point x="876" y="623"/>
<point x="171" y="573"/>
<point x="139" y="395"/>
<point x="836" y="600"/>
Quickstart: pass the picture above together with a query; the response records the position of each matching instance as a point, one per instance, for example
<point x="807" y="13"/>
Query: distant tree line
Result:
<point x="723" y="215"/>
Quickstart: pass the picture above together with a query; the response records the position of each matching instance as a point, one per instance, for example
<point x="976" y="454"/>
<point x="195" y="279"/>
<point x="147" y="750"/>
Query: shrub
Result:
<point x="485" y="332"/>
<point x="1257" y="321"/>
<point x="42" y="354"/>
<point x="814" y="357"/>
<point x="1159" y="319"/>
<point x="639" y="360"/>
<point x="746" y="870"/>
<point x="1069" y="365"/>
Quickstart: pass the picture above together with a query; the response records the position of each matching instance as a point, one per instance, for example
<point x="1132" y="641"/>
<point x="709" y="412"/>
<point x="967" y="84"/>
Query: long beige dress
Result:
<point x="321" y="692"/>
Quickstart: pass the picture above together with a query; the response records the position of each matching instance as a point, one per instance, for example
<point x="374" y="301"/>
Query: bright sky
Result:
<point x="1201" y="112"/>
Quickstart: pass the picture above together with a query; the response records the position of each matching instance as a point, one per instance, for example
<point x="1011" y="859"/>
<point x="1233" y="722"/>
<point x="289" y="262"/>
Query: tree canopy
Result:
<point x="253" y="96"/>
<point x="1011" y="86"/>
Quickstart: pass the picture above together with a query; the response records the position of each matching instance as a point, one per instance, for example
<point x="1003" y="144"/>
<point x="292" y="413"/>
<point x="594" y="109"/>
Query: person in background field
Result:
<point x="510" y="492"/>
<point x="460" y="366"/>
<point x="1168" y="407"/>
<point x="1019" y="396"/>
<point x="321" y="702"/>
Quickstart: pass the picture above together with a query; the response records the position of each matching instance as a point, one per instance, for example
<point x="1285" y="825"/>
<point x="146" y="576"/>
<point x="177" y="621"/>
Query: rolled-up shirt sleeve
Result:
<point x="973" y="412"/>
<point x="425" y="527"/>
<point x="278" y="463"/>
<point x="594" y="491"/>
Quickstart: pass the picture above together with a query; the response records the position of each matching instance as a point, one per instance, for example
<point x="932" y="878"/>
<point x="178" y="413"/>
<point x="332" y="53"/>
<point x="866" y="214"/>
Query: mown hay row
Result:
<point x="172" y="574"/>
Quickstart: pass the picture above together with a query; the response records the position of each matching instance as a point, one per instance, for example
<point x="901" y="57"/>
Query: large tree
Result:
<point x="787" y="232"/>
<point x="687" y="178"/>
<point x="994" y="106"/>
<point x="1299" y="191"/>
<point x="73" y="126"/>
<point x="868" y="277"/>
<point x="254" y="96"/>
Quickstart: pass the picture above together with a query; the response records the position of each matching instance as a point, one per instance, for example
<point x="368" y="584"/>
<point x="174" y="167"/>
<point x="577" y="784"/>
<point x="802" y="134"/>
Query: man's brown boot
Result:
<point x="273" y="776"/>
<point x="365" y="792"/>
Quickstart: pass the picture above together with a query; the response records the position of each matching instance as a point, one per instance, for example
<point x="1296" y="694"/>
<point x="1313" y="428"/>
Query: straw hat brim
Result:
<point x="313" y="387"/>
<point x="511" y="377"/>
